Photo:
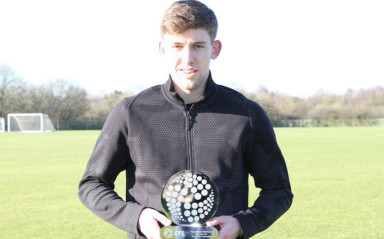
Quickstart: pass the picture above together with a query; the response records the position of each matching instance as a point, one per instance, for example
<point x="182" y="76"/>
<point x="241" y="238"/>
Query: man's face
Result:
<point x="188" y="56"/>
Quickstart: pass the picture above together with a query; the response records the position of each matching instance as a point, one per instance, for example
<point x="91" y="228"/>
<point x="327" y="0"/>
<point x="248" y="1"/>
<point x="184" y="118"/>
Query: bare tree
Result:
<point x="12" y="89"/>
<point x="61" y="100"/>
<point x="100" y="107"/>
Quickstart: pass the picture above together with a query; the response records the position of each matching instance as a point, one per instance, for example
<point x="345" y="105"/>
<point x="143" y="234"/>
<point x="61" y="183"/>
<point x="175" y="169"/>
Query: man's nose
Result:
<point x="188" y="55"/>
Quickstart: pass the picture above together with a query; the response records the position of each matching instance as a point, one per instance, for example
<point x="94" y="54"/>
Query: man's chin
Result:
<point x="186" y="83"/>
<point x="189" y="88"/>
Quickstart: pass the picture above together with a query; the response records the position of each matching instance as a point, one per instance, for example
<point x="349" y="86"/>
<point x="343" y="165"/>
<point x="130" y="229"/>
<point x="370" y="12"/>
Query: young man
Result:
<point x="188" y="123"/>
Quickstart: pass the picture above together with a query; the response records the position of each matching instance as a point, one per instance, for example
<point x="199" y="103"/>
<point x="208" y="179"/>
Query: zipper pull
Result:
<point x="189" y="120"/>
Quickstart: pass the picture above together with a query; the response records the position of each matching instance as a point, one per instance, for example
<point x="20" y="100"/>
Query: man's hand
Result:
<point x="149" y="223"/>
<point x="229" y="226"/>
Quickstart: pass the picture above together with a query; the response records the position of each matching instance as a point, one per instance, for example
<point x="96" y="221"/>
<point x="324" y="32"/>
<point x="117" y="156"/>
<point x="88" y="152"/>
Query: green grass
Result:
<point x="336" y="174"/>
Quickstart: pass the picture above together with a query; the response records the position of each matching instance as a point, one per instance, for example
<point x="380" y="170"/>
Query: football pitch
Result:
<point x="337" y="177"/>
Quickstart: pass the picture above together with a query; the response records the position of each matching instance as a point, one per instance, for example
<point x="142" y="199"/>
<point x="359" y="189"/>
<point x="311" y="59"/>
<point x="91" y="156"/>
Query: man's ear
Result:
<point x="216" y="49"/>
<point x="161" y="48"/>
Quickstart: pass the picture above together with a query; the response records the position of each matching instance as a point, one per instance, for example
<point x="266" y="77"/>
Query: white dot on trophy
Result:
<point x="173" y="200"/>
<point x="197" y="218"/>
<point x="204" y="192"/>
<point x="201" y="204"/>
<point x="205" y="202"/>
<point x="190" y="185"/>
<point x="170" y="188"/>
<point x="177" y="188"/>
<point x="197" y="196"/>
<point x="168" y="193"/>
<point x="187" y="213"/>
<point x="194" y="212"/>
<point x="208" y="186"/>
<point x="204" y="181"/>
<point x="200" y="210"/>
<point x="202" y="216"/>
<point x="195" y="182"/>
<point x="194" y="205"/>
<point x="199" y="178"/>
<point x="190" y="219"/>
<point x="168" y="199"/>
<point x="200" y="186"/>
<point x="174" y="194"/>
<point x="184" y="192"/>
<point x="194" y="190"/>
<point x="205" y="207"/>
<point x="185" y="182"/>
<point x="206" y="213"/>
<point x="180" y="198"/>
<point x="187" y="205"/>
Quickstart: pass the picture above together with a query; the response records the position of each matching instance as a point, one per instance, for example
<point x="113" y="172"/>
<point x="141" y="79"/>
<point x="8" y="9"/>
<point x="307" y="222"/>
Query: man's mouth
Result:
<point x="188" y="71"/>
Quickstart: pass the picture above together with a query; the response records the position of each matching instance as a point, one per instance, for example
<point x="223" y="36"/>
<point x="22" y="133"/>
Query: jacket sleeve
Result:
<point x="266" y="165"/>
<point x="110" y="156"/>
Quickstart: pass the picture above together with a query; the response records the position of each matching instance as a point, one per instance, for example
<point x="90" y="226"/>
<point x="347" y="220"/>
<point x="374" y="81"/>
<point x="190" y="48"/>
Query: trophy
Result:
<point x="189" y="199"/>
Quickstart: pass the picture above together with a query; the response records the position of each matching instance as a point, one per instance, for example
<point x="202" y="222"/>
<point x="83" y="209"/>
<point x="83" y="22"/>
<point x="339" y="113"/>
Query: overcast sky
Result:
<point x="294" y="47"/>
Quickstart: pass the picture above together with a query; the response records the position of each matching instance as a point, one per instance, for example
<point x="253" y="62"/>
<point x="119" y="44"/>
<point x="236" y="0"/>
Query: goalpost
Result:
<point x="30" y="123"/>
<point x="2" y="125"/>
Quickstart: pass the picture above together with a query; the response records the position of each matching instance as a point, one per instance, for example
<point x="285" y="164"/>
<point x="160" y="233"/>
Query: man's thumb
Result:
<point x="213" y="222"/>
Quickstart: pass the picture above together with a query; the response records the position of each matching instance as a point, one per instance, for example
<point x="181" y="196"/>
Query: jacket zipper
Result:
<point x="189" y="139"/>
<point x="189" y="124"/>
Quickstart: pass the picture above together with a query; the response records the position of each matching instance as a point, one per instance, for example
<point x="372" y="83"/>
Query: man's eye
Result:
<point x="177" y="47"/>
<point x="199" y="46"/>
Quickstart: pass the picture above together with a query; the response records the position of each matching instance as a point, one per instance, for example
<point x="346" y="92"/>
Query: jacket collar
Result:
<point x="170" y="93"/>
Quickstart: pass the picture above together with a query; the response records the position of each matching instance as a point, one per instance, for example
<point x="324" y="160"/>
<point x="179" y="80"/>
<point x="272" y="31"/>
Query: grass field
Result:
<point x="337" y="176"/>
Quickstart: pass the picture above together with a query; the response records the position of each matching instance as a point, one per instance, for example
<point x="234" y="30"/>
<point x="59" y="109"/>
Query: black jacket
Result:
<point x="153" y="135"/>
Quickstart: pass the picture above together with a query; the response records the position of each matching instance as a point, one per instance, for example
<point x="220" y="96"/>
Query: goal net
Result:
<point x="35" y="122"/>
<point x="2" y="125"/>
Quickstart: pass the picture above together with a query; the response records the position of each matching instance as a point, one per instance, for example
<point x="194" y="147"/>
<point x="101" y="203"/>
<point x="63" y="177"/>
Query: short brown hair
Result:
<point x="190" y="14"/>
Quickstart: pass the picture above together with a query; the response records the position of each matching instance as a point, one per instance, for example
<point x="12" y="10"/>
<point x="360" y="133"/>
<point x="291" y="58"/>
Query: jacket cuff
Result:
<point x="248" y="227"/>
<point x="133" y="219"/>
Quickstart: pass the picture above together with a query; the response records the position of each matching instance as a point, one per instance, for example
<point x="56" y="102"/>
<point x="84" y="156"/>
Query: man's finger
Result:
<point x="162" y="219"/>
<point x="215" y="221"/>
<point x="229" y="226"/>
<point x="149" y="223"/>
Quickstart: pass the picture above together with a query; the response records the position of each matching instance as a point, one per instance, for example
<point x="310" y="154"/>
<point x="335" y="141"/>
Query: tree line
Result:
<point x="63" y="100"/>
<point x="354" y="108"/>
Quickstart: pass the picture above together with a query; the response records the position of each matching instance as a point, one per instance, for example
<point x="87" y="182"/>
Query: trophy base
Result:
<point x="189" y="232"/>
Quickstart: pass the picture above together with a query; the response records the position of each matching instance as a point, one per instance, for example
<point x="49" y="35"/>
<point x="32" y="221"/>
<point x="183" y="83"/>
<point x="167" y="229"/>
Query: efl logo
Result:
<point x="179" y="234"/>
<point x="171" y="233"/>
<point x="168" y="233"/>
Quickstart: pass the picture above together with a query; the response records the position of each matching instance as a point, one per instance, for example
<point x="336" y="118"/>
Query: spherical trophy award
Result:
<point x="189" y="199"/>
